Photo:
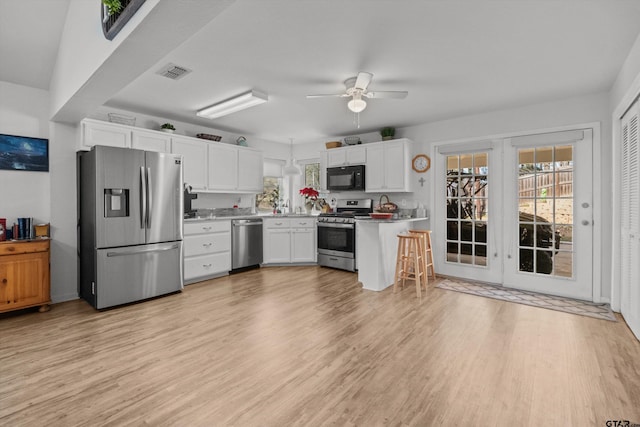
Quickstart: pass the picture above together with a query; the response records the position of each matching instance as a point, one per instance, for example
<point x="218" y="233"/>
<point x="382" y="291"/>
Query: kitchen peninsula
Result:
<point x="377" y="245"/>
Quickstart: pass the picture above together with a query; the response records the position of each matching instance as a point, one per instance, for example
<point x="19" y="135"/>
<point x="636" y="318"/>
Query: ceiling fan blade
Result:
<point x="332" y="95"/>
<point x="363" y="80"/>
<point x="393" y="94"/>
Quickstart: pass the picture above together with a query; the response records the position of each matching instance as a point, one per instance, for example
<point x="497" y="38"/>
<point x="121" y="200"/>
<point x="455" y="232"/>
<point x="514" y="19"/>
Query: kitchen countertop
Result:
<point x="231" y="217"/>
<point x="386" y="221"/>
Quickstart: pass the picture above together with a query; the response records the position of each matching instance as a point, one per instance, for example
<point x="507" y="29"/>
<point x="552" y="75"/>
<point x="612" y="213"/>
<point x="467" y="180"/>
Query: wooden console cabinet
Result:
<point x="24" y="275"/>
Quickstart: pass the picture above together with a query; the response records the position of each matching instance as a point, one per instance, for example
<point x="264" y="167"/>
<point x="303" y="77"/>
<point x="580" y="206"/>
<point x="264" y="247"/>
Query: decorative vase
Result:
<point x="308" y="206"/>
<point x="167" y="130"/>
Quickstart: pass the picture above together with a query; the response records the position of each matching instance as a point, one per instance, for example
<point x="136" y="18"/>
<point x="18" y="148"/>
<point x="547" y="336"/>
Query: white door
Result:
<point x="630" y="219"/>
<point x="517" y="212"/>
<point x="467" y="216"/>
<point x="548" y="227"/>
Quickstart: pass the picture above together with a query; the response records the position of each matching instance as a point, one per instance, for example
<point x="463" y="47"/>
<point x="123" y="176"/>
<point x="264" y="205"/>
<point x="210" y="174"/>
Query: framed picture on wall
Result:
<point x="24" y="153"/>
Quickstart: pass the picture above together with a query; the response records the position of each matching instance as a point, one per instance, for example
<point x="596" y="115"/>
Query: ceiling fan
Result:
<point x="356" y="88"/>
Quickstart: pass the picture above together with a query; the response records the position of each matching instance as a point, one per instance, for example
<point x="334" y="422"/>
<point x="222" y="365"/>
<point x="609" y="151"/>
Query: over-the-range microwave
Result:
<point x="345" y="178"/>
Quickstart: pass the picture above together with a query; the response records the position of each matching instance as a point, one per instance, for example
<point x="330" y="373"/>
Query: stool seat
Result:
<point x="409" y="262"/>
<point x="428" y="253"/>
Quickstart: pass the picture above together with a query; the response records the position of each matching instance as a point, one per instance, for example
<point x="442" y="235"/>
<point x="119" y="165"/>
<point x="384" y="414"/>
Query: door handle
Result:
<point x="149" y="199"/>
<point x="585" y="222"/>
<point x="143" y="251"/>
<point x="143" y="198"/>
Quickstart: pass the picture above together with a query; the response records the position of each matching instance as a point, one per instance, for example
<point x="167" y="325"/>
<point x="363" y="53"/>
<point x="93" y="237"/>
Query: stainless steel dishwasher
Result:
<point x="246" y="243"/>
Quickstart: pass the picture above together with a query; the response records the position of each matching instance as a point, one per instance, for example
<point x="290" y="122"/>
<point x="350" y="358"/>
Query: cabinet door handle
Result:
<point x="206" y="265"/>
<point x="4" y="281"/>
<point x="206" y="228"/>
<point x="206" y="245"/>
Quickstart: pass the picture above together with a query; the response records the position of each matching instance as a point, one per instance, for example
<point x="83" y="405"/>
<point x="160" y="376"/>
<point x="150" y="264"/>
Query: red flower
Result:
<point x="309" y="193"/>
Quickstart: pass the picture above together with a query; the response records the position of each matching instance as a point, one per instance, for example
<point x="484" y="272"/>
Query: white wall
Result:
<point x="24" y="112"/>
<point x="83" y="48"/>
<point x="62" y="161"/>
<point x="46" y="196"/>
<point x="629" y="73"/>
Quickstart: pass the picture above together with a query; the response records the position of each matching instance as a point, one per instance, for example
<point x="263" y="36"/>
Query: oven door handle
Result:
<point x="330" y="225"/>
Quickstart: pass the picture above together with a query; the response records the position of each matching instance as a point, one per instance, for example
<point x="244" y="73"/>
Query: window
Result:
<point x="269" y="199"/>
<point x="312" y="175"/>
<point x="272" y="190"/>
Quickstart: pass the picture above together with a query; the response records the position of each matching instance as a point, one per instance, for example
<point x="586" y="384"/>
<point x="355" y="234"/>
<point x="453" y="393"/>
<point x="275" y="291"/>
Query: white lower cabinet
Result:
<point x="207" y="249"/>
<point x="289" y="240"/>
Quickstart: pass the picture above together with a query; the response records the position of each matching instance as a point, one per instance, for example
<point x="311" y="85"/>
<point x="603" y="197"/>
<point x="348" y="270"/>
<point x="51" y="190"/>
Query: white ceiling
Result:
<point x="454" y="57"/>
<point x="30" y="33"/>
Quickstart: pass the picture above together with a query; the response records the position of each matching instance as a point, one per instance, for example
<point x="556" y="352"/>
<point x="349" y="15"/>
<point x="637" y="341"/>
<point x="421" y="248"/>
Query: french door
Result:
<point x="518" y="212"/>
<point x="467" y="211"/>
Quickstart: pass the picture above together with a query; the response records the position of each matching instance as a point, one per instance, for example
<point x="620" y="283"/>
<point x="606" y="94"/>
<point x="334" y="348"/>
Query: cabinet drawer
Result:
<point x="277" y="223"/>
<point x="206" y="265"/>
<point x="207" y="244"/>
<point x="205" y="227"/>
<point x="303" y="223"/>
<point x="14" y="248"/>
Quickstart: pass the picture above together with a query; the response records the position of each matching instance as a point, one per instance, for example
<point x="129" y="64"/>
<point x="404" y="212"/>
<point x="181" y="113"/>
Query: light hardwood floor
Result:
<point x="307" y="346"/>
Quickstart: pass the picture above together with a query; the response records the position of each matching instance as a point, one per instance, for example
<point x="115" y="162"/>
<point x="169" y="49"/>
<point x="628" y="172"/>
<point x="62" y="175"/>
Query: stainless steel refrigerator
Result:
<point x="130" y="225"/>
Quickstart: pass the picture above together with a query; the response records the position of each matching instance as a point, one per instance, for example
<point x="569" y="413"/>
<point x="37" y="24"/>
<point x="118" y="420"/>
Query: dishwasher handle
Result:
<point x="245" y="222"/>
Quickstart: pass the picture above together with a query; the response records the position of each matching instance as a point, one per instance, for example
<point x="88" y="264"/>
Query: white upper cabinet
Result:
<point x="208" y="166"/>
<point x="234" y="169"/>
<point x="223" y="167"/>
<point x="356" y="155"/>
<point x="250" y="170"/>
<point x="194" y="155"/>
<point x="151" y="141"/>
<point x="95" y="132"/>
<point x="388" y="167"/>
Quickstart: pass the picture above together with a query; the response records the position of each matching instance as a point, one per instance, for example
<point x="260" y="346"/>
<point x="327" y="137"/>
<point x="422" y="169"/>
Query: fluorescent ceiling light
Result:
<point x="231" y="105"/>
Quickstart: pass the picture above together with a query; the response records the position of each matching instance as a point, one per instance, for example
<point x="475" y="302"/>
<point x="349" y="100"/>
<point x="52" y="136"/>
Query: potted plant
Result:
<point x="113" y="6"/>
<point x="387" y="133"/>
<point x="310" y="196"/>
<point x="167" y="127"/>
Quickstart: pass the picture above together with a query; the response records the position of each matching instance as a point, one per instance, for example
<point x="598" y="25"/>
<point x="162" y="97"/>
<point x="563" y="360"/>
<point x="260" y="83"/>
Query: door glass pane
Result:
<point x="467" y="202"/>
<point x="545" y="210"/>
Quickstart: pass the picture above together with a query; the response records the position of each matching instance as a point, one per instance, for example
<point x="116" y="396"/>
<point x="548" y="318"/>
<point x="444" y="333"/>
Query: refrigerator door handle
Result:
<point x="149" y="198"/>
<point x="143" y="198"/>
<point x="142" y="251"/>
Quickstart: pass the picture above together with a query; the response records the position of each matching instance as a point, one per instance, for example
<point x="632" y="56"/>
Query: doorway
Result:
<point x="518" y="212"/>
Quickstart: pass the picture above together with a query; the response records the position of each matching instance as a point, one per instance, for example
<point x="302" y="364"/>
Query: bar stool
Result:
<point x="409" y="262"/>
<point x="428" y="253"/>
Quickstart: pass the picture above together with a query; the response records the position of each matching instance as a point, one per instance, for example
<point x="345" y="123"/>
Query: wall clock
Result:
<point x="421" y="163"/>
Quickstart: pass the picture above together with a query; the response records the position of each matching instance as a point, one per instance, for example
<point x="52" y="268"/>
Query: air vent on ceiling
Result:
<point x="173" y="71"/>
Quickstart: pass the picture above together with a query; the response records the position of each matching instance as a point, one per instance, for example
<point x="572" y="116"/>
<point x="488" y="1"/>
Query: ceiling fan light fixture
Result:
<point x="357" y="104"/>
<point x="231" y="105"/>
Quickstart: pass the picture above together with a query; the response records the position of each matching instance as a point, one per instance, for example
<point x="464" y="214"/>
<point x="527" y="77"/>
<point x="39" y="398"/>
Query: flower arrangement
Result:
<point x="310" y="194"/>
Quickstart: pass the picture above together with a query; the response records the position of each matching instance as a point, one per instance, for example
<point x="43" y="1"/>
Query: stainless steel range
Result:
<point x="337" y="234"/>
